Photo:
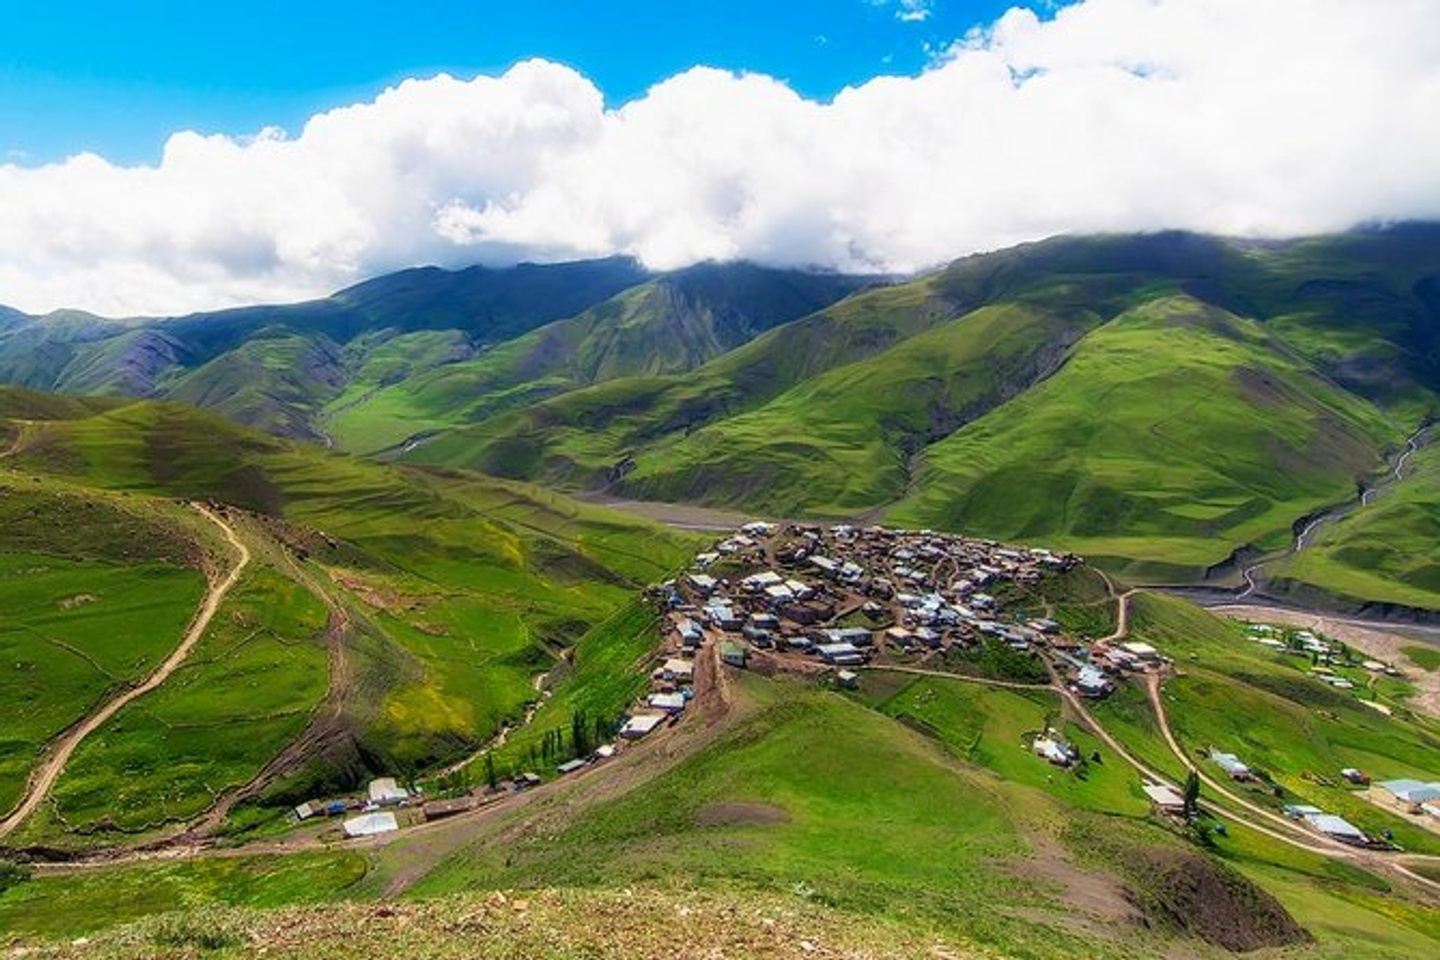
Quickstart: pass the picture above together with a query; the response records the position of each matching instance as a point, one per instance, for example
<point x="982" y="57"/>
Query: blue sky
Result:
<point x="118" y="78"/>
<point x="1264" y="119"/>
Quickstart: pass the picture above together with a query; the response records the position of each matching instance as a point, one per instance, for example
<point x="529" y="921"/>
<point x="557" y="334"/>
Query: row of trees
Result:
<point x="579" y="740"/>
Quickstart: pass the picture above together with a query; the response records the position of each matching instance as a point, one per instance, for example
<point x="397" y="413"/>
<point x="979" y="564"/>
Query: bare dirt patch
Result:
<point x="1202" y="898"/>
<point x="79" y="600"/>
<point x="681" y="516"/>
<point x="739" y="813"/>
<point x="1096" y="894"/>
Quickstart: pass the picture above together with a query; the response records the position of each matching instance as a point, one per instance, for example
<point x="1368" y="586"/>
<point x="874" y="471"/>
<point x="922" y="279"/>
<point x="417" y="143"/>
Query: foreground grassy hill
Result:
<point x="387" y="608"/>
<point x="393" y="618"/>
<point x="904" y="820"/>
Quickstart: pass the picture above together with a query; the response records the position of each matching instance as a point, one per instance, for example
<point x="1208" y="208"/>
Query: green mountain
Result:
<point x="668" y="325"/>
<point x="1157" y="400"/>
<point x="312" y="369"/>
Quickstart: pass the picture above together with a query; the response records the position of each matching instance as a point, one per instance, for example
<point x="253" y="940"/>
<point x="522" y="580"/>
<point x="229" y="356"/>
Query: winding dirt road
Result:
<point x="1367" y="497"/>
<point x="44" y="776"/>
<point x="1260" y="820"/>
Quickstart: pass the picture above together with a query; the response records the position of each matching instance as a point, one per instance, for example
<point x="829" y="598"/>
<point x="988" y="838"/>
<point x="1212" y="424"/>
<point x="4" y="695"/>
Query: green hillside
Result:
<point x="422" y="604"/>
<point x="287" y="368"/>
<point x="1384" y="552"/>
<point x="1175" y="432"/>
<point x="667" y="325"/>
<point x="1158" y="401"/>
<point x="908" y="810"/>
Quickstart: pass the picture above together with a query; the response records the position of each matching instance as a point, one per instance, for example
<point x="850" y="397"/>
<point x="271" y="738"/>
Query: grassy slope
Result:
<point x="66" y="906"/>
<point x="1238" y="696"/>
<point x="668" y="325"/>
<point x="842" y="441"/>
<point x="578" y="436"/>
<point x="275" y="384"/>
<point x="1117" y="454"/>
<point x="74" y="630"/>
<point x="862" y="797"/>
<point x="460" y="589"/>
<point x="925" y="825"/>
<point x="1385" y="551"/>
<point x="246" y="691"/>
<point x="821" y="415"/>
<point x="854" y="789"/>
<point x="95" y="590"/>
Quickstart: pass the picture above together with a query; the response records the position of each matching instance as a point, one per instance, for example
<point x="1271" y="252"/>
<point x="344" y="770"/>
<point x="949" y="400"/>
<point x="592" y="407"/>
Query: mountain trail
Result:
<point x="44" y="777"/>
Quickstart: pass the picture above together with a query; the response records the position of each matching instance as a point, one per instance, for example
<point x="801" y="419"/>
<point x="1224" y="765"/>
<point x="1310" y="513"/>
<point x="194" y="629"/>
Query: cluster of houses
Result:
<point x="1412" y="797"/>
<point x="376" y="809"/>
<point x="1094" y="669"/>
<point x="837" y="595"/>
<point x="385" y="803"/>
<point x="1326" y="656"/>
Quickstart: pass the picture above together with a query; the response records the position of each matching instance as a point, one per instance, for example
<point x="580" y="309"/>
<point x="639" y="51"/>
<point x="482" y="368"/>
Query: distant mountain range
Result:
<point x="284" y="368"/>
<point x="1157" y="401"/>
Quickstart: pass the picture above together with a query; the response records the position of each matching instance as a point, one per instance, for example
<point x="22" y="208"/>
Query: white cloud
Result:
<point x="1273" y="118"/>
<point x="909" y="11"/>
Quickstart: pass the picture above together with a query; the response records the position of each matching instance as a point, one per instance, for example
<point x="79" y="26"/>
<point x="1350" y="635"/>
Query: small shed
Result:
<point x="371" y="824"/>
<point x="641" y="725"/>
<point x="668" y="702"/>
<point x="385" y="791"/>
<point x="1232" y="765"/>
<point x="1165" y="797"/>
<point x="734" y="654"/>
<point x="1338" y="827"/>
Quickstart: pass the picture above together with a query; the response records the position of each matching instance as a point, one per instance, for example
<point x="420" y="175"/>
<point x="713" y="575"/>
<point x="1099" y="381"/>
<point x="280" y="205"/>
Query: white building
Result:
<point x="385" y="791"/>
<point x="368" y="825"/>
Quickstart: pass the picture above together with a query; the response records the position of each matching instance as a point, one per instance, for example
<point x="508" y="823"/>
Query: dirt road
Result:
<point x="44" y="776"/>
<point x="13" y="446"/>
<point x="681" y="516"/>
<point x="1255" y="817"/>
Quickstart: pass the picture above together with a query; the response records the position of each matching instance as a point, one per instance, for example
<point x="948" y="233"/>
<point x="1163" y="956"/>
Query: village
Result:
<point x="817" y="601"/>
<point x="828" y="602"/>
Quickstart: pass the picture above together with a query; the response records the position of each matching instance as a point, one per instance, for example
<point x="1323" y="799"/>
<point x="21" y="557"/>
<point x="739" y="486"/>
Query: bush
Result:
<point x="205" y="930"/>
<point x="12" y="874"/>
